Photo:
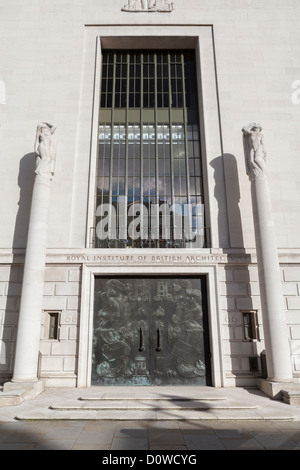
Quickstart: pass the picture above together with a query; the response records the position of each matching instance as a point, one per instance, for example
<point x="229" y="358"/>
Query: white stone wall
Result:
<point x="58" y="358"/>
<point x="239" y="291"/>
<point x="43" y="55"/>
<point x="10" y="290"/>
<point x="291" y="290"/>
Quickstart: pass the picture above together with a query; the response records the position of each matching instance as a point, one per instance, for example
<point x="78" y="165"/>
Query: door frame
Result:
<point x="89" y="272"/>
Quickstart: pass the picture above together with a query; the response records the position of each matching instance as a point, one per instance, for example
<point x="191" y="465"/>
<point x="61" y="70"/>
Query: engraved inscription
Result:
<point x="150" y="259"/>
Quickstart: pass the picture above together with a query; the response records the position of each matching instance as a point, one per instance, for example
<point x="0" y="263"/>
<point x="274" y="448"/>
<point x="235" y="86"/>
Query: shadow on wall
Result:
<point x="227" y="194"/>
<point x="238" y="290"/>
<point x="25" y="182"/>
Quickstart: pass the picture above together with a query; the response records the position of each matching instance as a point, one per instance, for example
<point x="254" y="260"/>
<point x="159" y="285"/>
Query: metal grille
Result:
<point x="149" y="150"/>
<point x="148" y="79"/>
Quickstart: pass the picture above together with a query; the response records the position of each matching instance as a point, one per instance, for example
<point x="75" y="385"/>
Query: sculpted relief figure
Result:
<point x="148" y="5"/>
<point x="45" y="148"/>
<point x="255" y="152"/>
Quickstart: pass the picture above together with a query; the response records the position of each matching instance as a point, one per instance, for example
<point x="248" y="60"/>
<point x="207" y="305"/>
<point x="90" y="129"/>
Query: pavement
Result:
<point x="132" y="419"/>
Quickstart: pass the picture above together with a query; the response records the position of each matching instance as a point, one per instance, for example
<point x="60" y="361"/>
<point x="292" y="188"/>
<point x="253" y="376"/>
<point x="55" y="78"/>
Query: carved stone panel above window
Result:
<point x="149" y="6"/>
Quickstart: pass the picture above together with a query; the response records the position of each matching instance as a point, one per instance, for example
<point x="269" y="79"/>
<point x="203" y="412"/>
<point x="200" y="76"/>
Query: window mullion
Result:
<point x="112" y="129"/>
<point x="185" y="133"/>
<point x="156" y="150"/>
<point x="172" y="218"/>
<point x="142" y="142"/>
<point x="124" y="218"/>
<point x="170" y="130"/>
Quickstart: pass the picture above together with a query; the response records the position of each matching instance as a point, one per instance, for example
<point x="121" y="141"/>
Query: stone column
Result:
<point x="272" y="302"/>
<point x="29" y="327"/>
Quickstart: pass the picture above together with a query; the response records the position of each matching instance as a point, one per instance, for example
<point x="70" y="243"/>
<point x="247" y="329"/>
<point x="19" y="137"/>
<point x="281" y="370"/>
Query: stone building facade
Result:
<point x="55" y="64"/>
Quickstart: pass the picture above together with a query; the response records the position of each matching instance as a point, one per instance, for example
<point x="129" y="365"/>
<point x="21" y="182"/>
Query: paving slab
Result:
<point x="149" y="435"/>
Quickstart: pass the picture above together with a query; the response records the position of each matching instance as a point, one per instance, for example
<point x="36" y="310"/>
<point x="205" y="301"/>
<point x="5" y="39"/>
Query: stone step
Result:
<point x="11" y="398"/>
<point x="152" y="415"/>
<point x="291" y="397"/>
<point x="149" y="404"/>
<point x="158" y="398"/>
<point x="152" y="409"/>
<point x="154" y="403"/>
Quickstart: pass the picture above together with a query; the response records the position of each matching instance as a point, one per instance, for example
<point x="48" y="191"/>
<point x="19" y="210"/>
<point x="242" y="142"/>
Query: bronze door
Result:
<point x="150" y="331"/>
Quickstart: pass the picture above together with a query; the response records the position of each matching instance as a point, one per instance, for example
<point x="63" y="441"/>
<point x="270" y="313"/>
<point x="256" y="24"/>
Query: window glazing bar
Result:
<point x="185" y="113"/>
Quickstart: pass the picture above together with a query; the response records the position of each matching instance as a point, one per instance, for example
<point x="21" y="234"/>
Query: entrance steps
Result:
<point x="153" y="403"/>
<point x="155" y="409"/>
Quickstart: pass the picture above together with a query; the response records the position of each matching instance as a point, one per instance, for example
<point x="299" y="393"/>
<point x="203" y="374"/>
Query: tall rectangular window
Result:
<point x="149" y="178"/>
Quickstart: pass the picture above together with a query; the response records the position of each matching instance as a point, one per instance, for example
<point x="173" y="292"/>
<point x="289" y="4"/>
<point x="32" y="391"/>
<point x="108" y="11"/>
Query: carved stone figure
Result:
<point x="162" y="5"/>
<point x="132" y="5"/>
<point x="255" y="153"/>
<point x="148" y="6"/>
<point x="45" y="148"/>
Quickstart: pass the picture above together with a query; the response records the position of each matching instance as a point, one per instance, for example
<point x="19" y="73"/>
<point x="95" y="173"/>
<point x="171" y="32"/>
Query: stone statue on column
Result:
<point x="31" y="303"/>
<point x="255" y="152"/>
<point x="276" y="336"/>
<point x="45" y="148"/>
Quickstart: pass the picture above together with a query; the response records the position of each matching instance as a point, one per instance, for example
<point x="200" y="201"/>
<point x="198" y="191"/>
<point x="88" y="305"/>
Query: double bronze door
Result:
<point x="150" y="331"/>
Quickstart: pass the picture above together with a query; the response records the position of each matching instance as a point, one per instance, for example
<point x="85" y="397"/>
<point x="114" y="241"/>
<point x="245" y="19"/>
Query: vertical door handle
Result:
<point x="142" y="347"/>
<point x="159" y="348"/>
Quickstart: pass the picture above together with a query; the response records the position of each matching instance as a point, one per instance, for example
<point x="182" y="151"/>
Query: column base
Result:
<point x="30" y="389"/>
<point x="275" y="389"/>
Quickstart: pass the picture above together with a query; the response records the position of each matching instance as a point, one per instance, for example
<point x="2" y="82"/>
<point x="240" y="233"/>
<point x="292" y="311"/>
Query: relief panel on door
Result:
<point x="149" y="331"/>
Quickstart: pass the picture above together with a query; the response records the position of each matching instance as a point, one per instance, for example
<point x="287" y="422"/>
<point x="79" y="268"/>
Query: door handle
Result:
<point x="142" y="347"/>
<point x="158" y="336"/>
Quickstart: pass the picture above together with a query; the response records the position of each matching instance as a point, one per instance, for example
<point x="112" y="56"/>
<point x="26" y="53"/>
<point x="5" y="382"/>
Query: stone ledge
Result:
<point x="291" y="397"/>
<point x="57" y="380"/>
<point x="12" y="398"/>
<point x="280" y="390"/>
<point x="30" y="390"/>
